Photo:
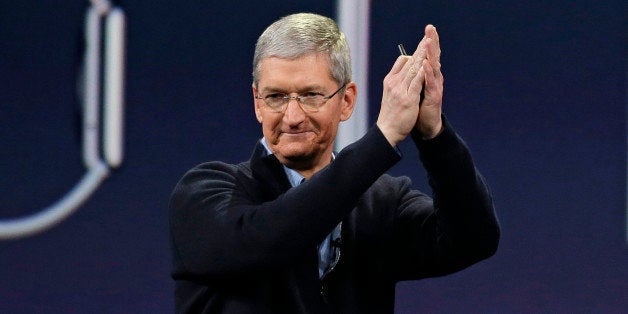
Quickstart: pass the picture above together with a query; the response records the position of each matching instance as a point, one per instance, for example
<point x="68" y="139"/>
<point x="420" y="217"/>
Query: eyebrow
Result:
<point x="314" y="87"/>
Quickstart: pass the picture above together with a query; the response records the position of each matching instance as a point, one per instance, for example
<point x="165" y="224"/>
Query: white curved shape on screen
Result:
<point x="353" y="20"/>
<point x="57" y="212"/>
<point x="114" y="88"/>
<point x="97" y="169"/>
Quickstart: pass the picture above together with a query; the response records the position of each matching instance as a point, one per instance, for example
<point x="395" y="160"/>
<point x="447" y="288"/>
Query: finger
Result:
<point x="429" y="75"/>
<point x="412" y="68"/>
<point x="433" y="83"/>
<point x="433" y="55"/>
<point x="399" y="64"/>
<point x="430" y="31"/>
<point x="394" y="76"/>
<point x="416" y="85"/>
<point x="419" y="53"/>
<point x="411" y="71"/>
<point x="433" y="50"/>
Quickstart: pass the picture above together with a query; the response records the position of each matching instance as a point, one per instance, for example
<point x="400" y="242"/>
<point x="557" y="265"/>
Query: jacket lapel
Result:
<point x="268" y="173"/>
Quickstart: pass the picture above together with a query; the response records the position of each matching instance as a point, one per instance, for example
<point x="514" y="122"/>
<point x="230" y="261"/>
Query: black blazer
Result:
<point x="244" y="241"/>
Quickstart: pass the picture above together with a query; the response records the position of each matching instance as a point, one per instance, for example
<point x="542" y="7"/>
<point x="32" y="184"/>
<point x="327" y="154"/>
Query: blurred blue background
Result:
<point x="537" y="89"/>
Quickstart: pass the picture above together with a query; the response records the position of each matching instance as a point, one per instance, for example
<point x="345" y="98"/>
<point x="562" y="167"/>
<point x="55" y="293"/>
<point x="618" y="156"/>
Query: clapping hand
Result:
<point x="413" y="92"/>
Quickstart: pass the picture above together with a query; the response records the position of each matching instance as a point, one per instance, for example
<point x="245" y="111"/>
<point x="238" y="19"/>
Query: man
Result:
<point x="299" y="229"/>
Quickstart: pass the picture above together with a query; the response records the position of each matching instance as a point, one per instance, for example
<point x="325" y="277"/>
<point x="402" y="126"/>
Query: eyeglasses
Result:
<point x="310" y="102"/>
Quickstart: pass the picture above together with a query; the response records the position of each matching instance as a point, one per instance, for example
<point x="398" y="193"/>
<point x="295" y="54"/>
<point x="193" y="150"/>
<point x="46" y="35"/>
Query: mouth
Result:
<point x="293" y="134"/>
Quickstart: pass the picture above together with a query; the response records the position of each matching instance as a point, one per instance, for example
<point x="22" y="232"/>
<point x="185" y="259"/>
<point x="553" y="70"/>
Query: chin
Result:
<point x="294" y="150"/>
<point x="295" y="160"/>
<point x="295" y="155"/>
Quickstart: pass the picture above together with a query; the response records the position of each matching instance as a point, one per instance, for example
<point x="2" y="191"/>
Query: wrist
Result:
<point x="429" y="133"/>
<point x="391" y="136"/>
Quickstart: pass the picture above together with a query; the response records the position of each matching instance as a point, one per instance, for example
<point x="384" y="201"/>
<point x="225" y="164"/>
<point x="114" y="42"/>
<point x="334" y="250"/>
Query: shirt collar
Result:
<point x="294" y="177"/>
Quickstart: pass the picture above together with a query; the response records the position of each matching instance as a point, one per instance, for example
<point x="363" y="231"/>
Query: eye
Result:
<point x="274" y="96"/>
<point x="312" y="94"/>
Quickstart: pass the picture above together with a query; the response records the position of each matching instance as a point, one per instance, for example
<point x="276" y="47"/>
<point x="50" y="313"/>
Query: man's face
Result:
<point x="299" y="139"/>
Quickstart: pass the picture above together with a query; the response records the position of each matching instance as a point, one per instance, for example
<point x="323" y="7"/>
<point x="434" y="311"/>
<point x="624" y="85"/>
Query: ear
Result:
<point x="258" y="109"/>
<point x="349" y="98"/>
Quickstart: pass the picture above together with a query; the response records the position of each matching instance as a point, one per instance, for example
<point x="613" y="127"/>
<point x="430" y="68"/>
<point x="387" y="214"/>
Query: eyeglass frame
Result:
<point x="287" y="98"/>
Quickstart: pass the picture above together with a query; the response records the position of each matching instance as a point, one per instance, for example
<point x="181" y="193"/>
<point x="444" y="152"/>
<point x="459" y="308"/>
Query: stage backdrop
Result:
<point x="537" y="90"/>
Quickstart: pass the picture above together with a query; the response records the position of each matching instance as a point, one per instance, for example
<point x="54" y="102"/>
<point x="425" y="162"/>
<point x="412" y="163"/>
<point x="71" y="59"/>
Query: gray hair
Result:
<point x="296" y="35"/>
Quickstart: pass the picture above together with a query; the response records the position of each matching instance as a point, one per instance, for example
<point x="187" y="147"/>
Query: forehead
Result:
<point x="310" y="69"/>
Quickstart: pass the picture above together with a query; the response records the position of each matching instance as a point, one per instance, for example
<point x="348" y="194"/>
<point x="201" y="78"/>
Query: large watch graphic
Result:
<point x="104" y="57"/>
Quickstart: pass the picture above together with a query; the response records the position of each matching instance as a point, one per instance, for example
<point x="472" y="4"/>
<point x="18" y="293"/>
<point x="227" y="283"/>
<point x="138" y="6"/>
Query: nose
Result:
<point x="294" y="114"/>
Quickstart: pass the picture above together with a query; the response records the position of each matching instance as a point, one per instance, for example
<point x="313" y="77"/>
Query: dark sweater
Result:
<point x="244" y="241"/>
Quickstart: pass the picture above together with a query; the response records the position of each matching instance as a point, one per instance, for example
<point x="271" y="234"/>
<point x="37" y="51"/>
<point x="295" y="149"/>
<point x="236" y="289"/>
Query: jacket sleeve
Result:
<point x="454" y="230"/>
<point x="218" y="230"/>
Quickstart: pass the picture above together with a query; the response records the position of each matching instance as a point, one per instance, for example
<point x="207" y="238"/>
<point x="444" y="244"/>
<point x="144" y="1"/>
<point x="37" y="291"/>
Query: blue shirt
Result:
<point x="328" y="254"/>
